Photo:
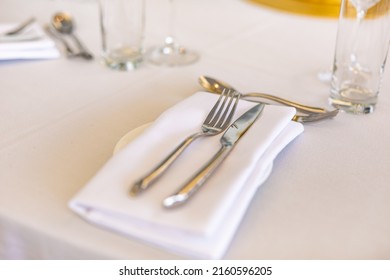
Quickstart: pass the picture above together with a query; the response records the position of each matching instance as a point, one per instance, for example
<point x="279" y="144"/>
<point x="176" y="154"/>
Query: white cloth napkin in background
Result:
<point x="31" y="43"/>
<point x="205" y="225"/>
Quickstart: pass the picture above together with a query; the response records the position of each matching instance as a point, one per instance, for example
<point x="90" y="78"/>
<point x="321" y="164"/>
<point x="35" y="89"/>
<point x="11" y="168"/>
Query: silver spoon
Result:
<point x="216" y="86"/>
<point x="63" y="23"/>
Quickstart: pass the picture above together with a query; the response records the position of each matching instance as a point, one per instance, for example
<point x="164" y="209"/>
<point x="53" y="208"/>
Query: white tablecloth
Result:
<point x="327" y="197"/>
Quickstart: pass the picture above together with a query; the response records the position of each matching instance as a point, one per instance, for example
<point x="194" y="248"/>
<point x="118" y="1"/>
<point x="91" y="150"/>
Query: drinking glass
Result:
<point x="122" y="24"/>
<point x="171" y="53"/>
<point x="361" y="50"/>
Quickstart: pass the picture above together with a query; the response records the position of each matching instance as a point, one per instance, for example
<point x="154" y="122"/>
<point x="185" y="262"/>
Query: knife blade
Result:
<point x="228" y="141"/>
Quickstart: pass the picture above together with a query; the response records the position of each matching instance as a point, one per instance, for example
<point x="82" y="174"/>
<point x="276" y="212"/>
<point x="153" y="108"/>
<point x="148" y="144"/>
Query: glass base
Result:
<point x="353" y="106"/>
<point x="172" y="56"/>
<point x="123" y="59"/>
<point x="353" y="99"/>
<point x="121" y="65"/>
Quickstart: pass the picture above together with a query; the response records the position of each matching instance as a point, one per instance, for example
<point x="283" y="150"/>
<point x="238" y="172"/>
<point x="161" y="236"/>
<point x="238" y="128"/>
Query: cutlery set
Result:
<point x="228" y="141"/>
<point x="217" y="121"/>
<point x="61" y="28"/>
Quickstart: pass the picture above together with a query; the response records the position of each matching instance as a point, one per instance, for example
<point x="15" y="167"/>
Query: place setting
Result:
<point x="25" y="41"/>
<point x="184" y="182"/>
<point x="30" y="40"/>
<point x="158" y="212"/>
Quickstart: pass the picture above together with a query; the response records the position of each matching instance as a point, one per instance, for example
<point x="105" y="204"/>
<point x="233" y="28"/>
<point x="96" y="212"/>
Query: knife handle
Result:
<point x="194" y="184"/>
<point x="145" y="182"/>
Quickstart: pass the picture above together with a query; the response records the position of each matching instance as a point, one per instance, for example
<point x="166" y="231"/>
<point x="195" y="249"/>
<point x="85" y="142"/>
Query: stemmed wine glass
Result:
<point x="362" y="6"/>
<point x="171" y="53"/>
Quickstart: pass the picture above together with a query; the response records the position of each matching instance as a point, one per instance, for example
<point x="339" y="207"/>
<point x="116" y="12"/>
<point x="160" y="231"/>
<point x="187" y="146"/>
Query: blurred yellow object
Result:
<point x="322" y="8"/>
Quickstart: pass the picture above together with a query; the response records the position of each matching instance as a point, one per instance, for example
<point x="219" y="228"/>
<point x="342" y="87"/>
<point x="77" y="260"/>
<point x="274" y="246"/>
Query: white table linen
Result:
<point x="327" y="197"/>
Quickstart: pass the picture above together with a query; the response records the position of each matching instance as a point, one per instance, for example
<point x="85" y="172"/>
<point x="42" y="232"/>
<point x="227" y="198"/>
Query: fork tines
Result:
<point x="221" y="120"/>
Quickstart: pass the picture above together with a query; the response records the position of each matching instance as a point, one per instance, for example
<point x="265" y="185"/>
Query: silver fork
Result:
<point x="216" y="122"/>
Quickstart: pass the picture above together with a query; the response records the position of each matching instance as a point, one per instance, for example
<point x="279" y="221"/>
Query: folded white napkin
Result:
<point x="31" y="43"/>
<point x="205" y="225"/>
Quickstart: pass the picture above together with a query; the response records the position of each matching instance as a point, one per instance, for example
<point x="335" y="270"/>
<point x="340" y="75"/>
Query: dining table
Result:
<point x="327" y="198"/>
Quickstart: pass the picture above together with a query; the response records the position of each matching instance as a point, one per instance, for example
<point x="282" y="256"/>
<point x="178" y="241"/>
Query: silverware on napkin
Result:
<point x="215" y="123"/>
<point x="19" y="28"/>
<point x="228" y="141"/>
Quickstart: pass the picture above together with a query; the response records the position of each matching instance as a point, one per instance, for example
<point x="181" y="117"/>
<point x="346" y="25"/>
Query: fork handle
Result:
<point x="298" y="106"/>
<point x="68" y="49"/>
<point x="146" y="181"/>
<point x="197" y="181"/>
<point x="84" y="53"/>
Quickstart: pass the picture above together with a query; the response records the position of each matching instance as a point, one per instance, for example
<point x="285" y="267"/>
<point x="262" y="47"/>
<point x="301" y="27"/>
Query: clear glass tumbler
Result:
<point x="361" y="50"/>
<point x="122" y="24"/>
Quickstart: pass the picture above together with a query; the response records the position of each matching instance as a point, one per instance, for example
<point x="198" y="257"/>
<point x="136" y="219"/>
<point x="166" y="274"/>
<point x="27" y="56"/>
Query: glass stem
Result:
<point x="170" y="39"/>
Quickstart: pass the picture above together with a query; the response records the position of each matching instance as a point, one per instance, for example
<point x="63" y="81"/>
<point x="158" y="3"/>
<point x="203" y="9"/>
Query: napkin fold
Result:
<point x="31" y="43"/>
<point x="204" y="227"/>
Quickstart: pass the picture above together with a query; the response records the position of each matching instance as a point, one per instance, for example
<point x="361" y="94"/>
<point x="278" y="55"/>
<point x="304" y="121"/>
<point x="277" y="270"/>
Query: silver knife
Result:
<point x="228" y="141"/>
